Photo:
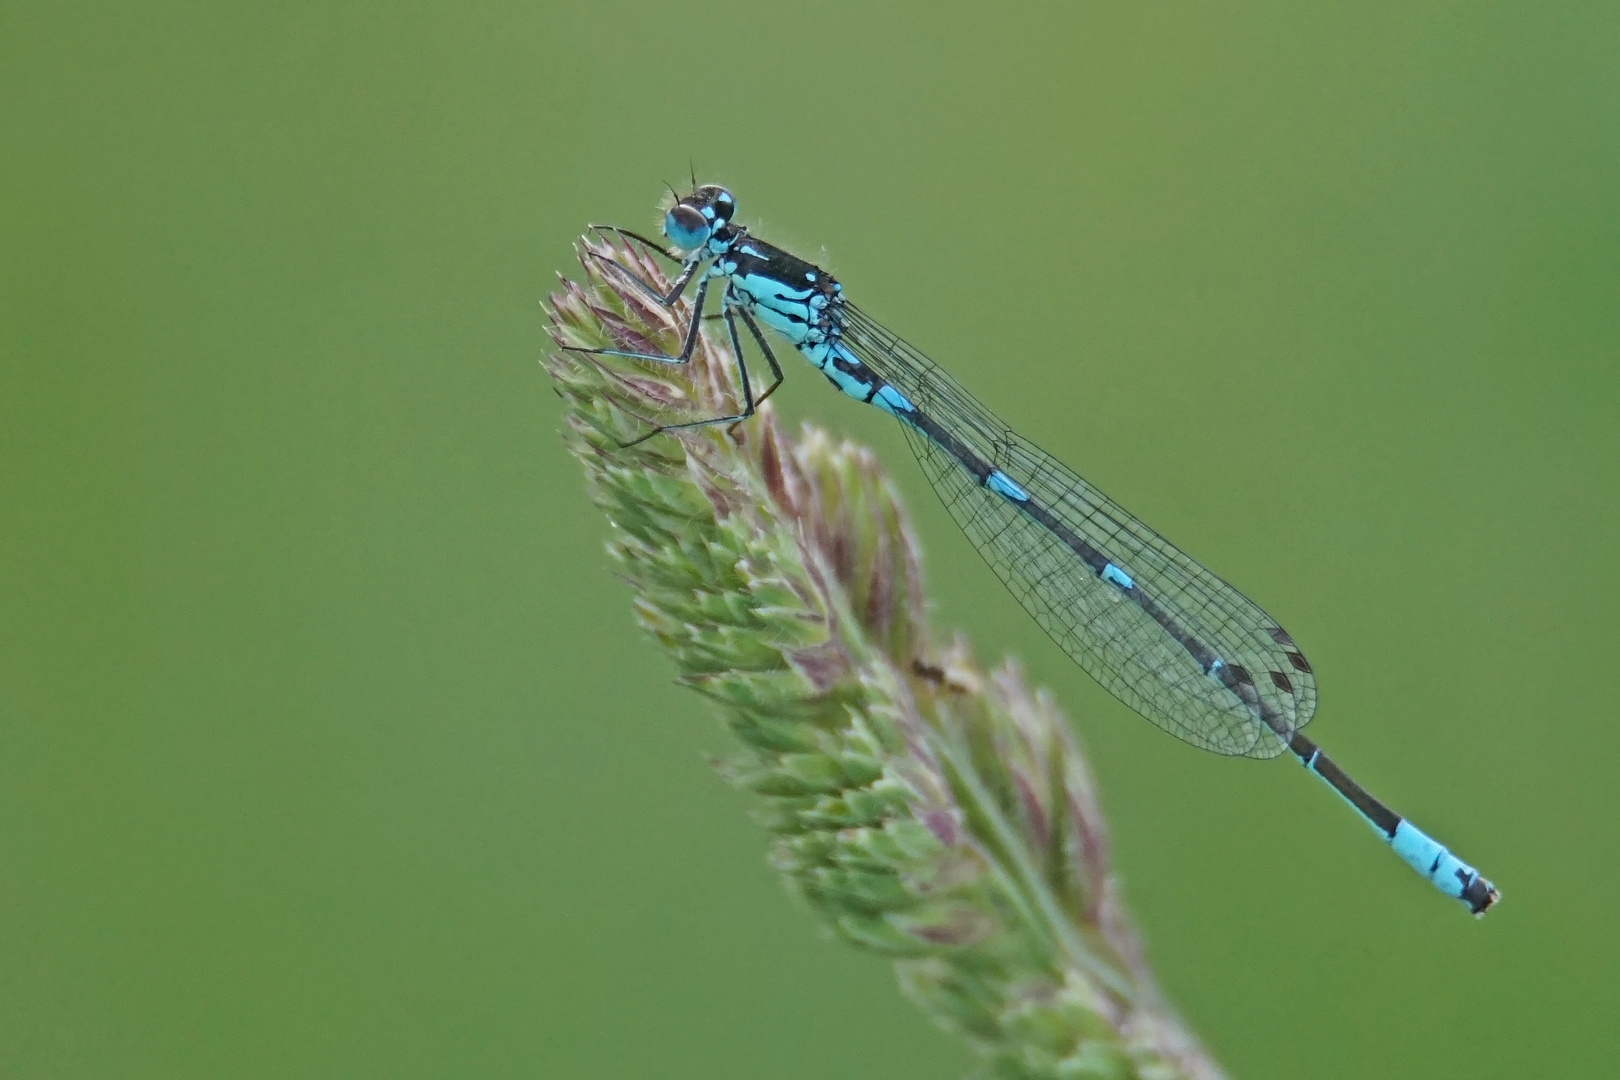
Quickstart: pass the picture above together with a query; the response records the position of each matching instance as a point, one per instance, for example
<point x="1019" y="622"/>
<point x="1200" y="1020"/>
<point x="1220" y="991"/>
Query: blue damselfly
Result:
<point x="1153" y="626"/>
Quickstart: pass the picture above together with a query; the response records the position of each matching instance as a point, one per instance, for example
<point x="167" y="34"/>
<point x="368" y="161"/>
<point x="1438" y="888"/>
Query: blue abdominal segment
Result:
<point x="892" y="401"/>
<point x="1002" y="484"/>
<point x="1417" y="849"/>
<point x="1430" y="858"/>
<point x="1120" y="578"/>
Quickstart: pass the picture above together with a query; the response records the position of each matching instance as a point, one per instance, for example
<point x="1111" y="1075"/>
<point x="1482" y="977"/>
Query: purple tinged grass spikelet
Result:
<point x="922" y="808"/>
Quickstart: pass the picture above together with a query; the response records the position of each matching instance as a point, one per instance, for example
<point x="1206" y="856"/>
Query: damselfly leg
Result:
<point x="689" y="341"/>
<point x="750" y="403"/>
<point x="764" y="347"/>
<point x="688" y="344"/>
<point x="678" y="286"/>
<point x="638" y="238"/>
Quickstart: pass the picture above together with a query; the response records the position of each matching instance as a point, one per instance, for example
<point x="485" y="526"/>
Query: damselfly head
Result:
<point x="692" y="220"/>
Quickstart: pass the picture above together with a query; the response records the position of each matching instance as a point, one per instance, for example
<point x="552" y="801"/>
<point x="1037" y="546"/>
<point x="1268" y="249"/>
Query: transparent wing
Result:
<point x="1149" y="651"/>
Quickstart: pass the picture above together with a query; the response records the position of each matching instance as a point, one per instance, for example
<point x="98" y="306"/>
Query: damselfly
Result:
<point x="1153" y="626"/>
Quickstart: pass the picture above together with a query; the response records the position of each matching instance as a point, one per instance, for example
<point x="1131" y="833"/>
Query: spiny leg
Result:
<point x="749" y="404"/>
<point x="687" y="346"/>
<point x="654" y="245"/>
<point x="764" y="347"/>
<point x="679" y="286"/>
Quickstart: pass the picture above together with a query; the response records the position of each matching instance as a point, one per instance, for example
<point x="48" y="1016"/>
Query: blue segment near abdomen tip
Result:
<point x="1417" y="849"/>
<point x="1432" y="859"/>
<point x="1118" y="577"/>
<point x="1004" y="485"/>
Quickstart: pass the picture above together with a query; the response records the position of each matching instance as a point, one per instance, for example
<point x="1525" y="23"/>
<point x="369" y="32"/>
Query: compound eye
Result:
<point x="721" y="202"/>
<point x="686" y="227"/>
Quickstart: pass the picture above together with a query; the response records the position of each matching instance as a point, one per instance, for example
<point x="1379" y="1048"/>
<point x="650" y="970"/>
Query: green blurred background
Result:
<point x="327" y="745"/>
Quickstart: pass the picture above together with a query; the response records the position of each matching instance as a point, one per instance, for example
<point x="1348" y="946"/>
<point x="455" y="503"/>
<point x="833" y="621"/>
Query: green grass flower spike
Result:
<point x="922" y="807"/>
